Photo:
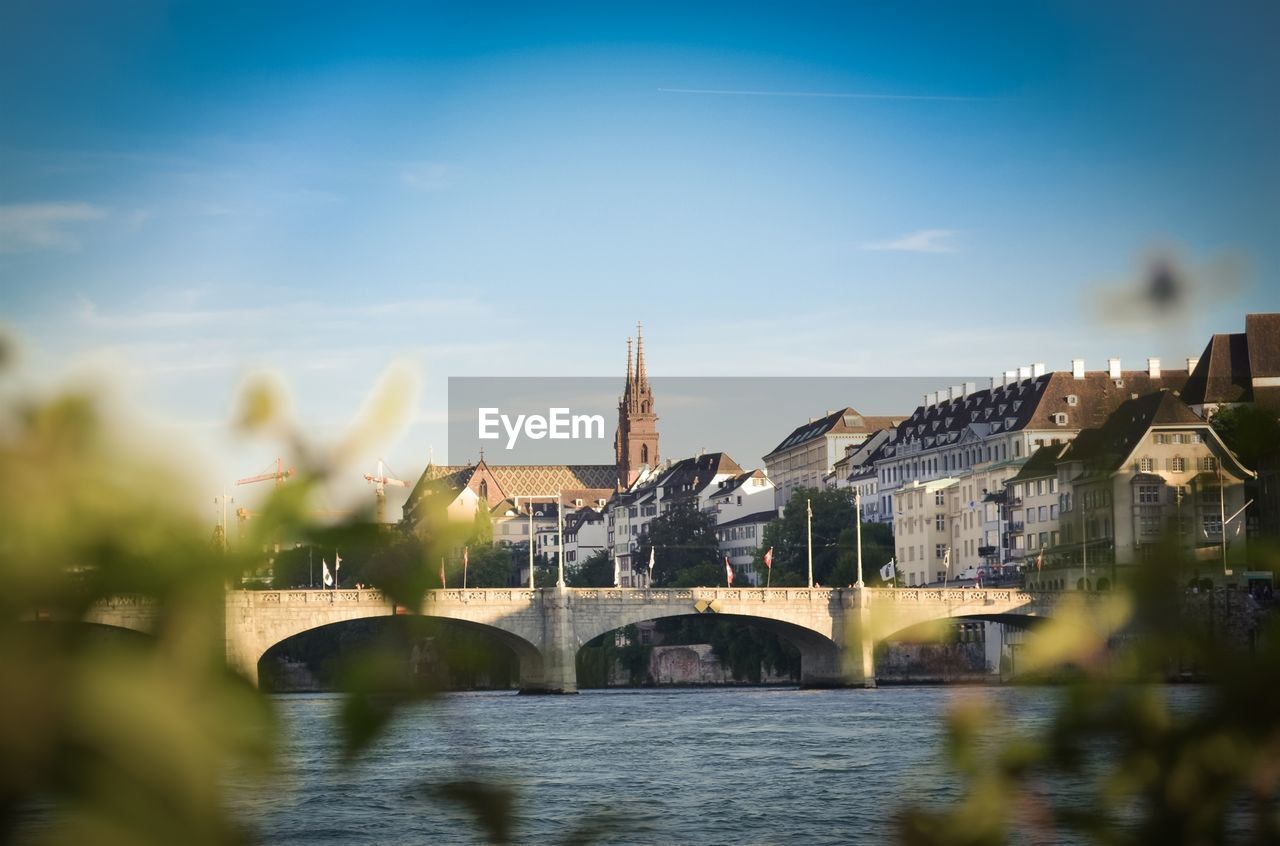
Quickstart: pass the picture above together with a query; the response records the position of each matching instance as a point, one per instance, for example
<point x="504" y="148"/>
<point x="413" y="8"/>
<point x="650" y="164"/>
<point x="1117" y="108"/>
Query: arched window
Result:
<point x="644" y="453"/>
<point x="484" y="490"/>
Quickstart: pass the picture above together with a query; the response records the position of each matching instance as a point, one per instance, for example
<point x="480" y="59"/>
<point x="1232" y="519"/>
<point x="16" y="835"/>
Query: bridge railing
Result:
<point x="876" y="596"/>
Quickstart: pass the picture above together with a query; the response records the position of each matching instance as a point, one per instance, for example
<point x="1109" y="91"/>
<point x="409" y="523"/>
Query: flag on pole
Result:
<point x="650" y="564"/>
<point x="442" y="582"/>
<point x="337" y="562"/>
<point x="328" y="577"/>
<point x="617" y="572"/>
<point x="946" y="559"/>
<point x="886" y="572"/>
<point x="465" y="561"/>
<point x="728" y="571"/>
<point x="1039" y="561"/>
<point x="768" y="558"/>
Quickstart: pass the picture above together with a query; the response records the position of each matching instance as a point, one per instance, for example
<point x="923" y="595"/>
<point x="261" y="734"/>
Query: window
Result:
<point x="1040" y="488"/>
<point x="1161" y="438"/>
<point x="940" y="498"/>
<point x="1072" y="399"/>
<point x="940" y="522"/>
<point x="939" y="550"/>
<point x="1146" y="465"/>
<point x="1177" y="464"/>
<point x="1213" y="525"/>
<point x="1209" y="464"/>
<point x="1031" y="515"/>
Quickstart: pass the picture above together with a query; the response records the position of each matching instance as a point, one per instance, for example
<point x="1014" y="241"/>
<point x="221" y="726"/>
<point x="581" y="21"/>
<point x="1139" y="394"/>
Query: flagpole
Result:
<point x="857" y="506"/>
<point x="560" y="535"/>
<point x="808" y="505"/>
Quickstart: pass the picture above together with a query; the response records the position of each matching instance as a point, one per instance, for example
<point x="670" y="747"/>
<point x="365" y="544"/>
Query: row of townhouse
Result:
<point x="1028" y="471"/>
<point x="740" y="503"/>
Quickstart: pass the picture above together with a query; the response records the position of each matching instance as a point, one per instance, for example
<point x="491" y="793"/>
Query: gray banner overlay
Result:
<point x="549" y="420"/>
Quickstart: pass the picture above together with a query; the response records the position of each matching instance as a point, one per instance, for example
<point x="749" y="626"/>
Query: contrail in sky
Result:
<point x="835" y="95"/>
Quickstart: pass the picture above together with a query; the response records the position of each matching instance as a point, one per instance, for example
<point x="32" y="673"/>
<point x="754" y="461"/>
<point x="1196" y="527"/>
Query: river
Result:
<point x="699" y="766"/>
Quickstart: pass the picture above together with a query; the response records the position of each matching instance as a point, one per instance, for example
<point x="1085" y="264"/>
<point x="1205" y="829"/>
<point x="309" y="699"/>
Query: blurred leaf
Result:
<point x="490" y="805"/>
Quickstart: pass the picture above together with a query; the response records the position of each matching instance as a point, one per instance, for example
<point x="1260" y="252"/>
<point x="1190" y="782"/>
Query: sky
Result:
<point x="193" y="193"/>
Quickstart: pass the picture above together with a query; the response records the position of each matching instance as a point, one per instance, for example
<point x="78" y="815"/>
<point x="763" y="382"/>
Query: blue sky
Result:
<point x="193" y="192"/>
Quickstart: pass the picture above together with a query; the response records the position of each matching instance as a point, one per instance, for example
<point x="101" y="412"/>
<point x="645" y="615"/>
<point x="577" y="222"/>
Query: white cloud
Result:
<point x="43" y="226"/>
<point x="429" y="176"/>
<point x="923" y="241"/>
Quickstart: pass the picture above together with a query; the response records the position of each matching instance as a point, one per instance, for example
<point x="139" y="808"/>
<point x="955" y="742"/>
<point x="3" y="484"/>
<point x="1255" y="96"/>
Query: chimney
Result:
<point x="1037" y="370"/>
<point x="1024" y="373"/>
<point x="944" y="395"/>
<point x="969" y="388"/>
<point x="1077" y="368"/>
<point x="925" y="404"/>
<point x="958" y="392"/>
<point x="1153" y="368"/>
<point x="1191" y="365"/>
<point x="933" y="399"/>
<point x="1113" y="368"/>
<point x="1010" y="376"/>
<point x="993" y="382"/>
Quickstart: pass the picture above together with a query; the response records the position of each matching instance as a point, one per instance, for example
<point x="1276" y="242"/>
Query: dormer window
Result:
<point x="1072" y="399"/>
<point x="1060" y="418"/>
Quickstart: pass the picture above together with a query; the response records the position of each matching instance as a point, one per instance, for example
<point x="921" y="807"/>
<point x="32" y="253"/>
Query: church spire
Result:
<point x="627" y="390"/>
<point x="641" y="376"/>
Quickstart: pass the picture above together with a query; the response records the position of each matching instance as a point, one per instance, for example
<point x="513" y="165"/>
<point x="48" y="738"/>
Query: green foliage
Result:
<point x="1142" y="772"/>
<point x="482" y="527"/>
<point x="746" y="650"/>
<point x="686" y="553"/>
<point x="596" y="571"/>
<point x="834" y="541"/>
<point x="490" y="566"/>
<point x="596" y="660"/>
<point x="1249" y="431"/>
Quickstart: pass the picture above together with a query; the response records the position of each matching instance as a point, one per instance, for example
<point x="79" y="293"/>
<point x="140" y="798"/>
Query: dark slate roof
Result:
<point x="1029" y="404"/>
<point x="1042" y="463"/>
<point x="1263" y="332"/>
<point x="731" y="485"/>
<point x="844" y="421"/>
<point x="1222" y="373"/>
<point x="757" y="517"/>
<point x="691" y="475"/>
<point x="1107" y="448"/>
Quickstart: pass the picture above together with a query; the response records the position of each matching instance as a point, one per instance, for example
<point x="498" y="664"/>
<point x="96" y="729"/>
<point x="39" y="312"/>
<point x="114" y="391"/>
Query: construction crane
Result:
<point x="380" y="483"/>
<point x="279" y="474"/>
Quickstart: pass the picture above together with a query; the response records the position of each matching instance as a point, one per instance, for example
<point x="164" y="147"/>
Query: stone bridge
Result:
<point x="835" y="630"/>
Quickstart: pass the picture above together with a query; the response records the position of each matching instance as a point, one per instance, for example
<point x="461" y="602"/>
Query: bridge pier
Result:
<point x="557" y="672"/>
<point x="848" y="660"/>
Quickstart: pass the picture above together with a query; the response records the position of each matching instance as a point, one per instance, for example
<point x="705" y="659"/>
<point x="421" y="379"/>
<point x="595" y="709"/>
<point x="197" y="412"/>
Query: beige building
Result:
<point x="1153" y="471"/>
<point x="806" y="457"/>
<point x="922" y="532"/>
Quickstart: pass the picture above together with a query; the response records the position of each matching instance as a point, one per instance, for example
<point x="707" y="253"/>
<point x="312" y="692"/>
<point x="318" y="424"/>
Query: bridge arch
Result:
<point x="258" y="621"/>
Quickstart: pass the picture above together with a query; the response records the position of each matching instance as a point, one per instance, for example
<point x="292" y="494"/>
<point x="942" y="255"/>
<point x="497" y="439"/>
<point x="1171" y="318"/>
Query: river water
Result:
<point x="698" y="766"/>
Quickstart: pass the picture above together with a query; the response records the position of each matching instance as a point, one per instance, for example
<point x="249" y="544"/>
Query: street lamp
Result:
<point x="808" y="522"/>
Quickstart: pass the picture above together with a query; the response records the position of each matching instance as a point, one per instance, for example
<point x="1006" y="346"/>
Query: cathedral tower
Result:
<point x="636" y="442"/>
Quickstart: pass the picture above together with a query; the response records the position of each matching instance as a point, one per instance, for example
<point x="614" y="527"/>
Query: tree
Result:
<point x="490" y="565"/>
<point x="686" y="553"/>
<point x="835" y="561"/>
<point x="1248" y="431"/>
<point x="482" y="528"/>
<point x="596" y="571"/>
